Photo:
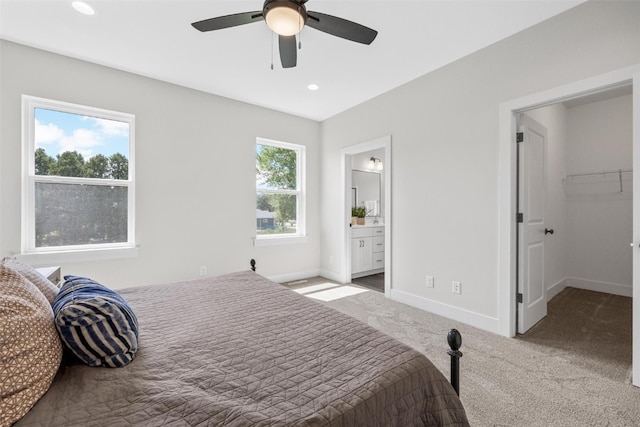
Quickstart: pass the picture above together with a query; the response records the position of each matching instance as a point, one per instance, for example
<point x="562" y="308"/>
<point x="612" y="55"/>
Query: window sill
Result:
<point x="63" y="257"/>
<point x="279" y="240"/>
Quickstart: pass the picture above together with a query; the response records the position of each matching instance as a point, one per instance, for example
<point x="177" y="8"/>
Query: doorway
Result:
<point x="383" y="218"/>
<point x="508" y="201"/>
<point x="577" y="232"/>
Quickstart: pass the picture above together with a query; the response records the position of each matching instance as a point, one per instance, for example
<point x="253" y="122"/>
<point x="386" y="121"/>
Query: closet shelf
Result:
<point x="603" y="174"/>
<point x="604" y="181"/>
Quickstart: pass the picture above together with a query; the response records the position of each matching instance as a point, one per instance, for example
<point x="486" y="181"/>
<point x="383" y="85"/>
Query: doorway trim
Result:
<point x="507" y="191"/>
<point x="346" y="153"/>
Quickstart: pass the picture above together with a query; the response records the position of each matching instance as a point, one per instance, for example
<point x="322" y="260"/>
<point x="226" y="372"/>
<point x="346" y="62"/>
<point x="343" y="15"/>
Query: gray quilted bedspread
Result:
<point x="239" y="350"/>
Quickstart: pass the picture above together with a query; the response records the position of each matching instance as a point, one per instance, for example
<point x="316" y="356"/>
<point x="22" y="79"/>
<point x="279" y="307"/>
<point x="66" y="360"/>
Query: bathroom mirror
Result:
<point x="365" y="190"/>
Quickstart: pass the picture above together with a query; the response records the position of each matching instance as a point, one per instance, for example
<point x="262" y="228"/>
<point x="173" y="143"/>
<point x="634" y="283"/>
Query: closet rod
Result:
<point x="617" y="172"/>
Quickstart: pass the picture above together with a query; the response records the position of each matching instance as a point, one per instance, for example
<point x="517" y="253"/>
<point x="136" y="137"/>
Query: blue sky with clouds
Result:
<point x="57" y="132"/>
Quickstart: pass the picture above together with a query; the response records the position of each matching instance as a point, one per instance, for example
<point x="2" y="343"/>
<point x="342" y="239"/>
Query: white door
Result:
<point x="532" y="306"/>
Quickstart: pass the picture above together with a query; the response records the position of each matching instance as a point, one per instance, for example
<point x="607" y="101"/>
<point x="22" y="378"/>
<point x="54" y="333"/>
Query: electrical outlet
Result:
<point x="203" y="271"/>
<point x="456" y="287"/>
<point x="430" y="281"/>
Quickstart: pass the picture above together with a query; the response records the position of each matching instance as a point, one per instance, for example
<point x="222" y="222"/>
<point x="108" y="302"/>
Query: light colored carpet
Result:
<point x="506" y="381"/>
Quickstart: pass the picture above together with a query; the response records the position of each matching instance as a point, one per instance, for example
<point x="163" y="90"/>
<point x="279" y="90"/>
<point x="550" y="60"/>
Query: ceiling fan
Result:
<point x="287" y="18"/>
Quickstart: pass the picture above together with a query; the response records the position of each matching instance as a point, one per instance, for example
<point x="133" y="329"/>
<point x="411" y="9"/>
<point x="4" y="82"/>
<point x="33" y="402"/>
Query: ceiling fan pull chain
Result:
<point x="272" y="36"/>
<point x="300" y="33"/>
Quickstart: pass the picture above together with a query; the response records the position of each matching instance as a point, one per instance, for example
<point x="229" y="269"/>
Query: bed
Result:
<point x="240" y="350"/>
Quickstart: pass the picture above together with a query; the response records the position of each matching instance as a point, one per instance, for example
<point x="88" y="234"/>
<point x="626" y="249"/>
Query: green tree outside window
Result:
<point x="276" y="182"/>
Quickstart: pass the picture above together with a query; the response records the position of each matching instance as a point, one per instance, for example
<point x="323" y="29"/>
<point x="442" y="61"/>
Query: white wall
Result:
<point x="195" y="170"/>
<point x="599" y="216"/>
<point x="445" y="134"/>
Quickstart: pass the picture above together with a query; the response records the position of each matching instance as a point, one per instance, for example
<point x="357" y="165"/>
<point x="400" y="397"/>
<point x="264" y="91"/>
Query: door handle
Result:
<point x="548" y="231"/>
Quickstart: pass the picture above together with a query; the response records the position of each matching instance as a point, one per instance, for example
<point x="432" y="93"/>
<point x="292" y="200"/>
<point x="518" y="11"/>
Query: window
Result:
<point x="78" y="187"/>
<point x="280" y="204"/>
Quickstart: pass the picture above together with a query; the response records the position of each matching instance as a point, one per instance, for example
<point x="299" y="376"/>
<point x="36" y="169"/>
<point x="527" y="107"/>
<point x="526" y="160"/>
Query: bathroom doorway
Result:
<point x="368" y="241"/>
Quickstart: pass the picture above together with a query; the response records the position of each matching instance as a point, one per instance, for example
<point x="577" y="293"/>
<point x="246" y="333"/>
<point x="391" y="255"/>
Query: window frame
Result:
<point x="29" y="251"/>
<point x="300" y="192"/>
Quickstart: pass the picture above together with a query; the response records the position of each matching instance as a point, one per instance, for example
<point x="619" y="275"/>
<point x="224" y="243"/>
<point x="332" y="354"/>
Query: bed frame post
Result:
<point x="253" y="264"/>
<point x="455" y="341"/>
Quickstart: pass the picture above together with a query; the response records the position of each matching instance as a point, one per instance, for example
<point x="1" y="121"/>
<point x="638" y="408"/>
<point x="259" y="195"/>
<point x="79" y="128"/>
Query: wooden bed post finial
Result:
<point x="455" y="341"/>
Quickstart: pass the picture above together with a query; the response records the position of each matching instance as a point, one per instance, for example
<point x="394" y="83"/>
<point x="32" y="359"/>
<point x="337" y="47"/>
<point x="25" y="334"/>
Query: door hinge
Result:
<point x="519" y="136"/>
<point x="519" y="217"/>
<point x="518" y="297"/>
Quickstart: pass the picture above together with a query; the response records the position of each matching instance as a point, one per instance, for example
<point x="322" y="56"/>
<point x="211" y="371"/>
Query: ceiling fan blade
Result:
<point x="228" y="21"/>
<point x="288" y="51"/>
<point x="341" y="27"/>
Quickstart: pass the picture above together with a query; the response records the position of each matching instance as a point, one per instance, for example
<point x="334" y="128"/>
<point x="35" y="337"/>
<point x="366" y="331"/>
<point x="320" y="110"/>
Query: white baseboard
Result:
<point x="556" y="288"/>
<point x="292" y="277"/>
<point x="336" y="277"/>
<point x="477" y="320"/>
<point x="592" y="285"/>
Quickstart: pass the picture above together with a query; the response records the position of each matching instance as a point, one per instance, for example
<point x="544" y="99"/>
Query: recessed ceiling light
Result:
<point x="82" y="7"/>
<point x="313" y="86"/>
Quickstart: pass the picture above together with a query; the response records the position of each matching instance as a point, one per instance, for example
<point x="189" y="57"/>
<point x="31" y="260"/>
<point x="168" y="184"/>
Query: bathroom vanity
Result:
<point x="367" y="250"/>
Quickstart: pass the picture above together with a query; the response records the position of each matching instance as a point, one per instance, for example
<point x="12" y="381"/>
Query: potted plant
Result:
<point x="359" y="213"/>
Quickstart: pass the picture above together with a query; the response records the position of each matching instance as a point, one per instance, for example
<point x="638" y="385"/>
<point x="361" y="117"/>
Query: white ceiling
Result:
<point x="155" y="39"/>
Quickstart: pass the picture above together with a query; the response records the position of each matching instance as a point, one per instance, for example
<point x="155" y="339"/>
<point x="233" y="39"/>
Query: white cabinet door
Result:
<point x="361" y="254"/>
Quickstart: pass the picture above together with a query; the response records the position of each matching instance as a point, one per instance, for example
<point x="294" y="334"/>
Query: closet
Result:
<point x="589" y="169"/>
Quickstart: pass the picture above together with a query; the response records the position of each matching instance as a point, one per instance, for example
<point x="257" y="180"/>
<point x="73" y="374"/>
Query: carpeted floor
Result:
<point x="592" y="329"/>
<point x="553" y="376"/>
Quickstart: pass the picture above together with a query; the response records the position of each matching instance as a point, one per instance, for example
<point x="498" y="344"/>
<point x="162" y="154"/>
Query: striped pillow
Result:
<point x="96" y="323"/>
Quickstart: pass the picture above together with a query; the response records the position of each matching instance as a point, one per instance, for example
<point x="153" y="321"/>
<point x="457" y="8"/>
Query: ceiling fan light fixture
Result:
<point x="285" y="18"/>
<point x="83" y="8"/>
